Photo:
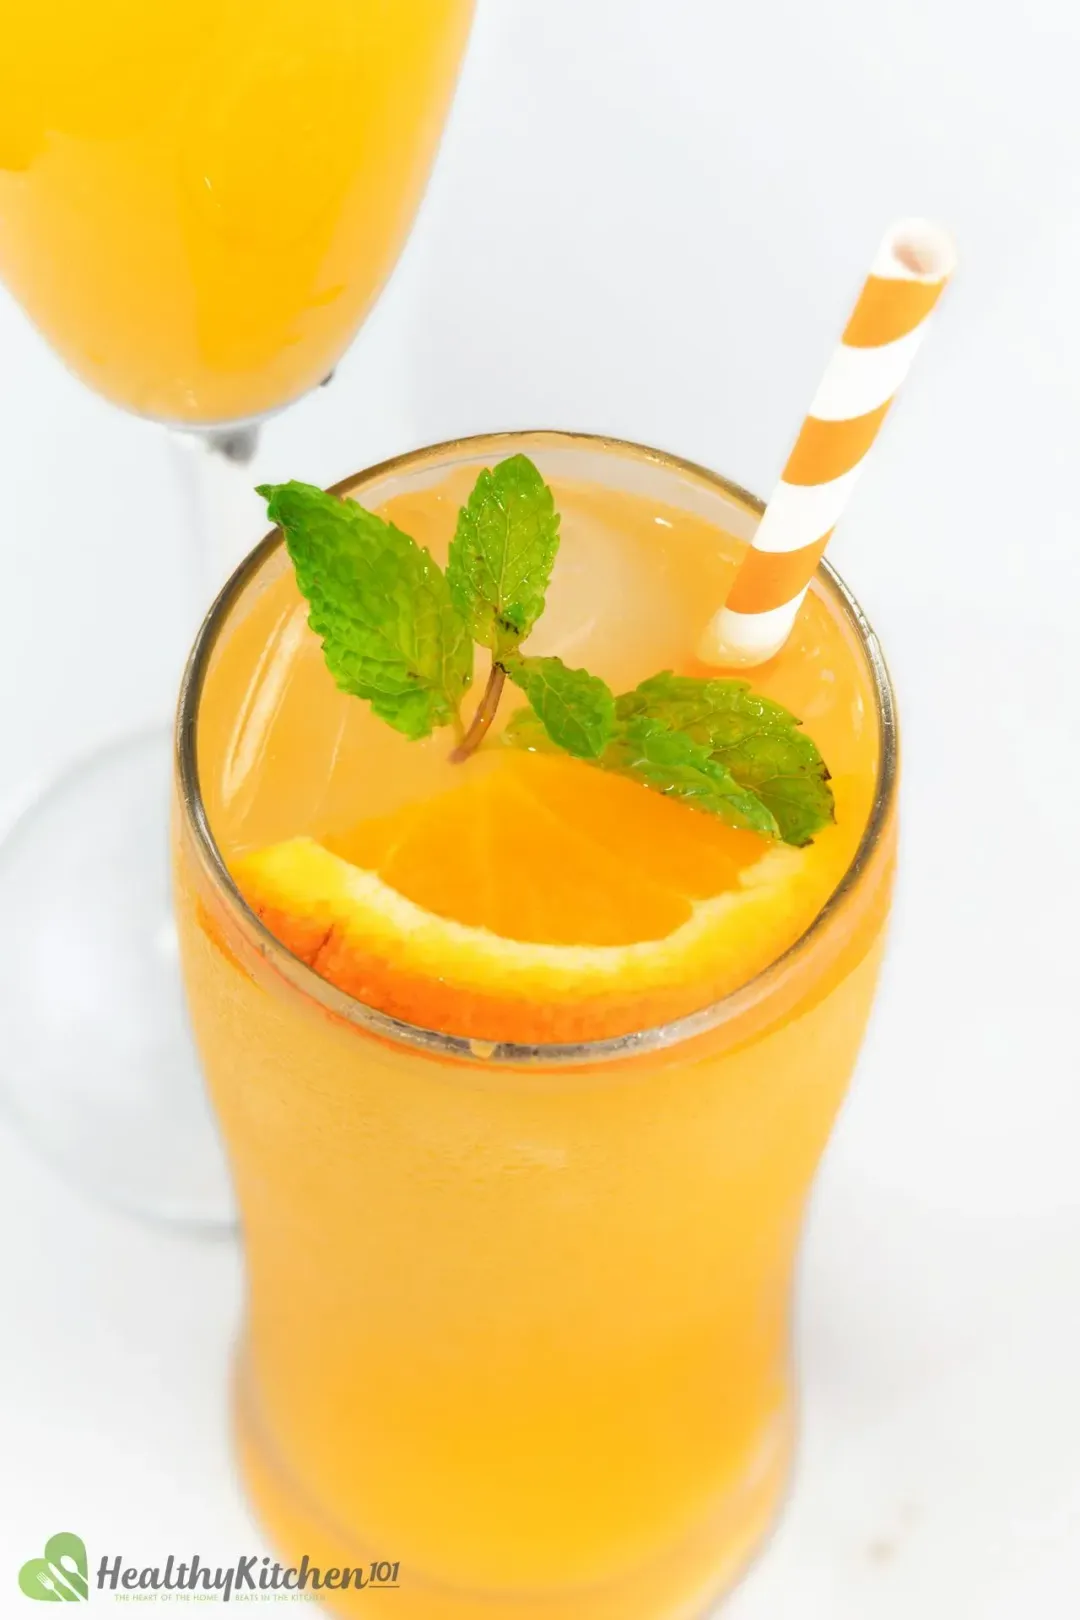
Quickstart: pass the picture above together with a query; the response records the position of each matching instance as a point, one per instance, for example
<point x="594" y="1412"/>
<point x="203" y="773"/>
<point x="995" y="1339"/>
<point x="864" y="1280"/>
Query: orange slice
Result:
<point x="542" y="900"/>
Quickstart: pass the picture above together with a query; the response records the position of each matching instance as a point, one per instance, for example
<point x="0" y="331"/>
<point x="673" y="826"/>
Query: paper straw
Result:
<point x="887" y="325"/>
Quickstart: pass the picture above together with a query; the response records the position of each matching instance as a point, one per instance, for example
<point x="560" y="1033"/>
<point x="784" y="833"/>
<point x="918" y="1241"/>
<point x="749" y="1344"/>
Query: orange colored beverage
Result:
<point x="518" y="1314"/>
<point x="201" y="199"/>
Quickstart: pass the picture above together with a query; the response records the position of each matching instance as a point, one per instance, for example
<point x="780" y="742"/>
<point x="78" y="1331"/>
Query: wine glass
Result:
<point x="199" y="202"/>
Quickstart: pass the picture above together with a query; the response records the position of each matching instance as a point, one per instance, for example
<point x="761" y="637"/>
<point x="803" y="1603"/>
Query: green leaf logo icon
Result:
<point x="61" y="1576"/>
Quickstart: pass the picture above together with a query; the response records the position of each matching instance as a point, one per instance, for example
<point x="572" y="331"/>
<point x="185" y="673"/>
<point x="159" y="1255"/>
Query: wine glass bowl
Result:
<point x="200" y="200"/>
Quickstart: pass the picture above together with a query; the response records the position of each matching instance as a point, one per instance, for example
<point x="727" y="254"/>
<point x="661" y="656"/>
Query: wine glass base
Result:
<point x="100" y="1072"/>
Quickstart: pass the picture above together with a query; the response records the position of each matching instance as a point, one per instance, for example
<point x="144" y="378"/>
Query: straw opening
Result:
<point x="921" y="250"/>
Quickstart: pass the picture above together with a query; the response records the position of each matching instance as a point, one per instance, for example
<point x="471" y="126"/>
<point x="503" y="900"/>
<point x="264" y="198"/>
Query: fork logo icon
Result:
<point x="61" y="1575"/>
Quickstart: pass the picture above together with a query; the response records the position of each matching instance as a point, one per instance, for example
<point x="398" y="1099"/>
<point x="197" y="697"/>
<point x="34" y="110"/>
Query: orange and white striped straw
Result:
<point x="887" y="325"/>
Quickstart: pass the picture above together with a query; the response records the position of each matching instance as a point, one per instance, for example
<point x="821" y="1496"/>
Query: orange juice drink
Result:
<point x="200" y="199"/>
<point x="522" y="1195"/>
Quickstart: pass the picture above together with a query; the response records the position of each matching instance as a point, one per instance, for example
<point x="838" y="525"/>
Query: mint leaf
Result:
<point x="576" y="709"/>
<point x="381" y="605"/>
<point x="650" y="752"/>
<point x="502" y="554"/>
<point x="670" y="762"/>
<point x="761" y="743"/>
<point x="396" y="631"/>
<point x="526" y="730"/>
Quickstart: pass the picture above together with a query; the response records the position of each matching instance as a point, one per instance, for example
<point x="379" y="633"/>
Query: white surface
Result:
<point x="649" y="219"/>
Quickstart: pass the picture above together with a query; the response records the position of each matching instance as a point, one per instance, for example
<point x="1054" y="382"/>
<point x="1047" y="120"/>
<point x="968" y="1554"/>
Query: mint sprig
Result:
<point x="650" y="751"/>
<point x="647" y="750"/>
<point x="502" y="553"/>
<point x="399" y="632"/>
<point x="760" y="743"/>
<point x="576" y="709"/>
<point x="381" y="606"/>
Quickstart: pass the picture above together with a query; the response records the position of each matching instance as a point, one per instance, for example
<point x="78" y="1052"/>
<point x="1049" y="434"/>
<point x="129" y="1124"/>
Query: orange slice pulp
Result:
<point x="542" y="900"/>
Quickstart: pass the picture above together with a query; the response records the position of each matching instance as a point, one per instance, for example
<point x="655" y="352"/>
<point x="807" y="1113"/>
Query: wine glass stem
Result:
<point x="214" y="473"/>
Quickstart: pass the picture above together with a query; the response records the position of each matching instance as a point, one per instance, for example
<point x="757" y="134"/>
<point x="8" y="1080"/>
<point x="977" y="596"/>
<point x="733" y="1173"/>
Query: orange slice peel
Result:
<point x="541" y="901"/>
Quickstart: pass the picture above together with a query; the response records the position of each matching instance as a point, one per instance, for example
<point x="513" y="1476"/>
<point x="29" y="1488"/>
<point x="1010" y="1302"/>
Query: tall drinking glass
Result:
<point x="199" y="202"/>
<point x="519" y="1318"/>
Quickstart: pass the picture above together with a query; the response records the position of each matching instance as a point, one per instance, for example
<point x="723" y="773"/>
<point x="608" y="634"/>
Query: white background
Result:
<point x="649" y="218"/>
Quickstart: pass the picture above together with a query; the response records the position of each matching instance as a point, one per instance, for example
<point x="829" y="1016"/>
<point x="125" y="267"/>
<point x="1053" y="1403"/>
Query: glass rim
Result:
<point x="474" y="1049"/>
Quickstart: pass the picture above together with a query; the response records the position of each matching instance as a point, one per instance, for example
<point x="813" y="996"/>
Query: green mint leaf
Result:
<point x="576" y="709"/>
<point x="758" y="741"/>
<point x="650" y="752"/>
<point x="502" y="554"/>
<point x="670" y="762"/>
<point x="381" y="605"/>
<point x="526" y="730"/>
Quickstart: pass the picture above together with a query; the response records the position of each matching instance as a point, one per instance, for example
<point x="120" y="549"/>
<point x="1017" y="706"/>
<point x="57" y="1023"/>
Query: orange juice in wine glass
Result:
<point x="199" y="202"/>
<point x="200" y="199"/>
